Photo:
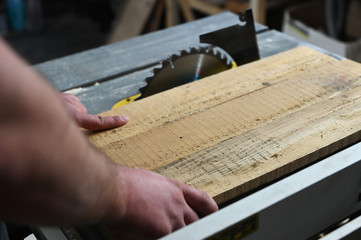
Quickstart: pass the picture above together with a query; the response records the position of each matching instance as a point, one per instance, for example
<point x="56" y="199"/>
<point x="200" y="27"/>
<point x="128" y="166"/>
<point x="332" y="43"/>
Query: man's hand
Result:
<point x="91" y="122"/>
<point x="58" y="178"/>
<point x="156" y="205"/>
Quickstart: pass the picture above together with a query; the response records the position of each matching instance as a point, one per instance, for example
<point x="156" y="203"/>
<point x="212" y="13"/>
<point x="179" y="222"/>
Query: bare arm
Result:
<point x="50" y="174"/>
<point x="47" y="166"/>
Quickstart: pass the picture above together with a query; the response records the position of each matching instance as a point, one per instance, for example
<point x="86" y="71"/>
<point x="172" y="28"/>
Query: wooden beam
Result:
<point x="172" y="15"/>
<point x="205" y="7"/>
<point x="236" y="6"/>
<point x="259" y="10"/>
<point x="186" y="10"/>
<point x="131" y="20"/>
<point x="156" y="18"/>
<point x="232" y="132"/>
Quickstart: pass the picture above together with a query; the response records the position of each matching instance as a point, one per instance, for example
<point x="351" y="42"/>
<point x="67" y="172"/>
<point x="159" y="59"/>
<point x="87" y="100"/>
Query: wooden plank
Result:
<point x="204" y="94"/>
<point x="131" y="20"/>
<point x="232" y="132"/>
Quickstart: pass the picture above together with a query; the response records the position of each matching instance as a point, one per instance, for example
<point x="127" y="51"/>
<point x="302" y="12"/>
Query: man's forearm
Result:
<point x="49" y="173"/>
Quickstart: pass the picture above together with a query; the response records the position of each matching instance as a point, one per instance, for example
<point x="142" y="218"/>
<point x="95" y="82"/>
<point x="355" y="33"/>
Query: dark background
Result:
<point x="73" y="26"/>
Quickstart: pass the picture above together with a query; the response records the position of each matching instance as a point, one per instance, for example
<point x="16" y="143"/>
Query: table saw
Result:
<point x="310" y="190"/>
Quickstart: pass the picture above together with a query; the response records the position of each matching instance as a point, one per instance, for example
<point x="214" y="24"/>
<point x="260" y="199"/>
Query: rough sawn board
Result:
<point x="234" y="131"/>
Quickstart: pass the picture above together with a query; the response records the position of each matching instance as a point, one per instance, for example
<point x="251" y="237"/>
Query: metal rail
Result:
<point x="298" y="207"/>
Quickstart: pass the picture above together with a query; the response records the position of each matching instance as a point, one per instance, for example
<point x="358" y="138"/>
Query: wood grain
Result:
<point x="234" y="131"/>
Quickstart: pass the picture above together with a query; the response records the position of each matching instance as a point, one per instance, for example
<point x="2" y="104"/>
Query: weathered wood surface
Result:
<point x="234" y="131"/>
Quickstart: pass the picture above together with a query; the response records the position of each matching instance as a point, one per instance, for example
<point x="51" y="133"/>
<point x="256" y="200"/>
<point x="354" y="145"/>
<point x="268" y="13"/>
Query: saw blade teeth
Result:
<point x="170" y="66"/>
<point x="174" y="57"/>
<point x="146" y="82"/>
<point x="209" y="49"/>
<point x="152" y="73"/>
<point x="224" y="56"/>
<point x="171" y="60"/>
<point x="194" y="50"/>
<point x="168" y="62"/>
<point x="218" y="54"/>
<point x="183" y="52"/>
<point x="157" y="70"/>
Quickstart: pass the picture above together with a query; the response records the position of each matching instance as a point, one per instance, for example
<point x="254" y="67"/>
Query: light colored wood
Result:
<point x="205" y="7"/>
<point x="234" y="131"/>
<point x="186" y="10"/>
<point x="156" y="19"/>
<point x="172" y="15"/>
<point x="132" y="19"/>
<point x="259" y="10"/>
<point x="236" y="6"/>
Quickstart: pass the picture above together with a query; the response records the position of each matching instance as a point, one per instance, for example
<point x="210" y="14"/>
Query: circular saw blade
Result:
<point x="185" y="67"/>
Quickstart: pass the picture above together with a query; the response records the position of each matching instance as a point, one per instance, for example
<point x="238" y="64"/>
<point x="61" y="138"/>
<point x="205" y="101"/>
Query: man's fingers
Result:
<point x="72" y="103"/>
<point x="190" y="216"/>
<point x="92" y="122"/>
<point x="79" y="112"/>
<point x="199" y="200"/>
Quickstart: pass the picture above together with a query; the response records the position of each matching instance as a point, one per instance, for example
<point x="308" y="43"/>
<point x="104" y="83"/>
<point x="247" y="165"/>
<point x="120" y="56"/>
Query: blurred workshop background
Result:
<point x="44" y="30"/>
